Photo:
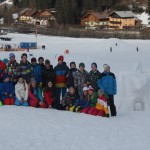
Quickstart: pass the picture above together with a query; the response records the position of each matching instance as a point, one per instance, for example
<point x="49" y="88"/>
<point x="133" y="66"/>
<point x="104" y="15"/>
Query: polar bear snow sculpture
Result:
<point x="134" y="90"/>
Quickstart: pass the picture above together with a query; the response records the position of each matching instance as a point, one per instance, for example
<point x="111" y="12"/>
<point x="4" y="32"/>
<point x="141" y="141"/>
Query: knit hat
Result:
<point x="47" y="61"/>
<point x="61" y="58"/>
<point x="85" y="88"/>
<point x="33" y="59"/>
<point x="105" y="66"/>
<point x="5" y="76"/>
<point x="24" y="54"/>
<point x="94" y="64"/>
<point x="90" y="88"/>
<point x="32" y="80"/>
<point x="11" y="55"/>
<point x="81" y="65"/>
<point x="72" y="63"/>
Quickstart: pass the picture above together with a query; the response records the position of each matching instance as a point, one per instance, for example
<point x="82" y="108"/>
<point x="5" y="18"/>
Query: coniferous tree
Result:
<point x="148" y="9"/>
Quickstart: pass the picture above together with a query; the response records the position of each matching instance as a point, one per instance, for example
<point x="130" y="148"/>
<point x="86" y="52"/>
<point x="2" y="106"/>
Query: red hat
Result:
<point x="61" y="58"/>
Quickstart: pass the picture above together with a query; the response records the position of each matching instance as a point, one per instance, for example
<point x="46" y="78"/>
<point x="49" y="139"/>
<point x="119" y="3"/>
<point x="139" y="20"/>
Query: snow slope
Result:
<point x="40" y="129"/>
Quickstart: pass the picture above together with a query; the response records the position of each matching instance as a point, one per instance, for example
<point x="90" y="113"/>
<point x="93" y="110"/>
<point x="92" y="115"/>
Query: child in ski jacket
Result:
<point x="12" y="67"/>
<point x="82" y="102"/>
<point x="69" y="99"/>
<point x="49" y="94"/>
<point x="92" y="97"/>
<point x="35" y="95"/>
<point x="101" y="108"/>
<point x="2" y="70"/>
<point x="7" y="91"/>
<point x="21" y="91"/>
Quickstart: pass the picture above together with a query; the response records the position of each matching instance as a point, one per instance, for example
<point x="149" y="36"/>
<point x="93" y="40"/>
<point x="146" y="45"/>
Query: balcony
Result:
<point x="115" y="22"/>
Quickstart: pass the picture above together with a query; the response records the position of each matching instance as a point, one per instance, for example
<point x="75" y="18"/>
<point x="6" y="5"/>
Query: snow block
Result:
<point x="134" y="90"/>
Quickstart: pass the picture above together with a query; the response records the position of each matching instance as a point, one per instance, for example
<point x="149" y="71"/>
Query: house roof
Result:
<point x="28" y="12"/>
<point x="103" y="15"/>
<point x="124" y="14"/>
<point x="43" y="13"/>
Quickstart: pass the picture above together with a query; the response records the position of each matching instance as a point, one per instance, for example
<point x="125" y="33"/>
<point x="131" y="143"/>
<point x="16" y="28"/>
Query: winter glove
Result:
<point x="40" y="84"/>
<point x="1" y="103"/>
<point x="107" y="115"/>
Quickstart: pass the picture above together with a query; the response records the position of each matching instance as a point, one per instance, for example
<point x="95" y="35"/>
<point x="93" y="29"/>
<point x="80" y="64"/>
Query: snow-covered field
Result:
<point x="40" y="129"/>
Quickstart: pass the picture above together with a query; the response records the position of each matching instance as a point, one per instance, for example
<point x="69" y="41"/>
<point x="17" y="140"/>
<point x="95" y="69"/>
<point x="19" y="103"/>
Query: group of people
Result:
<point x="38" y="84"/>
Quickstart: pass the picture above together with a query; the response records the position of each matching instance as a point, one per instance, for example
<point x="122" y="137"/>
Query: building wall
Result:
<point x="90" y="21"/>
<point x="120" y="23"/>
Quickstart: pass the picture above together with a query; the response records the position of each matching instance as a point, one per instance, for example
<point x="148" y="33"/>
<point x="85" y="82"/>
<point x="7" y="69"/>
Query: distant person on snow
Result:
<point x="137" y="49"/>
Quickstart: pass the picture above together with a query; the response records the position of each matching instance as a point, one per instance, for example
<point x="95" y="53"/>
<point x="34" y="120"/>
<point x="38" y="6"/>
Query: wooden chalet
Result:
<point x="121" y="20"/>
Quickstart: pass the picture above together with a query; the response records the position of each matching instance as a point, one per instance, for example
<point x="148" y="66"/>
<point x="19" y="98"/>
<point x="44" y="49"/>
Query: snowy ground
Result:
<point x="40" y="129"/>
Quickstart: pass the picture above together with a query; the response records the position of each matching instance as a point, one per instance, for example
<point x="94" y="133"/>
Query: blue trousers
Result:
<point x="17" y="102"/>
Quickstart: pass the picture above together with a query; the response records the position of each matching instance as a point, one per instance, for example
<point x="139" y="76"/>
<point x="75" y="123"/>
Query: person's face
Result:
<point x="12" y="58"/>
<point x="41" y="61"/>
<point x="85" y="93"/>
<point x="100" y="94"/>
<point x="90" y="92"/>
<point x="21" y="80"/>
<point x="72" y="91"/>
<point x="73" y="66"/>
<point x="47" y="65"/>
<point x="81" y="68"/>
<point x="33" y="84"/>
<point x="24" y="58"/>
<point x="107" y="69"/>
<point x="34" y="62"/>
<point x="50" y="84"/>
<point x="93" y="67"/>
<point x="60" y="62"/>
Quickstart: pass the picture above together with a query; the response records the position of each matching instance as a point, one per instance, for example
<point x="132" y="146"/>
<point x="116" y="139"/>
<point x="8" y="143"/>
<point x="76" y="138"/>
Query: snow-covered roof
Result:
<point x="124" y="14"/>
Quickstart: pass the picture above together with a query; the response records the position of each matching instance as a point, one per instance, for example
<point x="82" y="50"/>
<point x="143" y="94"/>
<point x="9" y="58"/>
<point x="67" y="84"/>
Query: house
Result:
<point x="95" y="20"/>
<point x="26" y="15"/>
<point x="121" y="20"/>
<point x="44" y="17"/>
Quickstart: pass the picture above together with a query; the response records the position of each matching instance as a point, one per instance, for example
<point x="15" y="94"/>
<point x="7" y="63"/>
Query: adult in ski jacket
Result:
<point x="107" y="82"/>
<point x="93" y="77"/>
<point x="61" y="71"/>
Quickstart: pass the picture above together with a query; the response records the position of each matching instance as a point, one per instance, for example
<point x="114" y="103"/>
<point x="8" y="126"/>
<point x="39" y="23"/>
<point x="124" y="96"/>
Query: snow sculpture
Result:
<point x="134" y="90"/>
